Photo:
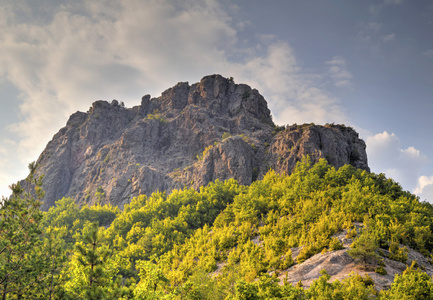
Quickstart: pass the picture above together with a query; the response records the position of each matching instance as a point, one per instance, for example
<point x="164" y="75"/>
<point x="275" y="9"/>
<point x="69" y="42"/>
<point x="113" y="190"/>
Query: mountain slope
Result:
<point x="187" y="137"/>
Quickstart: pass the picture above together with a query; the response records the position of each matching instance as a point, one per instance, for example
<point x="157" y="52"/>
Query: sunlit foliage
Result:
<point x="225" y="241"/>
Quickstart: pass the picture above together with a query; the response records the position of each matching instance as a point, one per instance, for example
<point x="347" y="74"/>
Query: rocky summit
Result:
<point x="187" y="137"/>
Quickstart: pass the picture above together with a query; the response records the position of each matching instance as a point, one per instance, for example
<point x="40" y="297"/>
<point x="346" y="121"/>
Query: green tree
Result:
<point x="321" y="289"/>
<point x="54" y="252"/>
<point x="356" y="287"/>
<point x="363" y="248"/>
<point x="246" y="291"/>
<point x="63" y="214"/>
<point x="152" y="281"/>
<point x="92" y="269"/>
<point x="21" y="266"/>
<point x="413" y="284"/>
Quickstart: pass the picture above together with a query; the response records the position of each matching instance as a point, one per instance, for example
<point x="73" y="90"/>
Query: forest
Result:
<point x="225" y="241"/>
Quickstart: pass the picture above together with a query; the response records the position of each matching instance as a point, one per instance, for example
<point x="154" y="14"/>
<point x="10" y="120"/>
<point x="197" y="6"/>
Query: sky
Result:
<point x="366" y="64"/>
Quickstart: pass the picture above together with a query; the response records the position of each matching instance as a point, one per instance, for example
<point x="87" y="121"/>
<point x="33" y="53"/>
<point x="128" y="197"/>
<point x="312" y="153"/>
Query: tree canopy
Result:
<point x="225" y="241"/>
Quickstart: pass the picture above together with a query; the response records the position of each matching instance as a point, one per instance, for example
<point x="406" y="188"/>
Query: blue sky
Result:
<point x="367" y="64"/>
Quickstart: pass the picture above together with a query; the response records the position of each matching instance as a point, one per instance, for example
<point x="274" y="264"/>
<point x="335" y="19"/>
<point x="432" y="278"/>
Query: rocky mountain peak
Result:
<point x="216" y="95"/>
<point x="187" y="137"/>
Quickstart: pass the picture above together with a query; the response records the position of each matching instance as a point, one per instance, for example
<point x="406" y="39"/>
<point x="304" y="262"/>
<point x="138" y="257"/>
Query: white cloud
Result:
<point x="424" y="188"/>
<point x="389" y="37"/>
<point x="112" y="50"/>
<point x="386" y="155"/>
<point x="104" y="49"/>
<point x="338" y="71"/>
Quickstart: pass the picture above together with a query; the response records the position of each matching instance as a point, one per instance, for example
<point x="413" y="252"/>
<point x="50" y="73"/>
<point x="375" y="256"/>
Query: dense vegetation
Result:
<point x="225" y="241"/>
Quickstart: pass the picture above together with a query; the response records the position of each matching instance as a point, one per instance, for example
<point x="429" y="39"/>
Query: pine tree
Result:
<point x="54" y="252"/>
<point x="92" y="269"/>
<point x="364" y="247"/>
<point x="21" y="266"/>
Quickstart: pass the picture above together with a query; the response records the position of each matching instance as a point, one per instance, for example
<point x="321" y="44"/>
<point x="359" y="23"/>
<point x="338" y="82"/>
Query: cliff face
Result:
<point x="187" y="137"/>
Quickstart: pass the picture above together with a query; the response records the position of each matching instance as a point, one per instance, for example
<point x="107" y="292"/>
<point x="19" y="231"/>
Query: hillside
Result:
<point x="319" y="233"/>
<point x="187" y="137"/>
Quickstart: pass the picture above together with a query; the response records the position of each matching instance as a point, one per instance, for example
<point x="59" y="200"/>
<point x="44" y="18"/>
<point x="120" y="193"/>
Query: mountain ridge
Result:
<point x="187" y="137"/>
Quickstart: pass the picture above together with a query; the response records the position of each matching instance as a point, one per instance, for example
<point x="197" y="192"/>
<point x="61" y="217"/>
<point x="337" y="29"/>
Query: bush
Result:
<point x="335" y="244"/>
<point x="397" y="253"/>
<point x="305" y="254"/>
<point x="380" y="270"/>
<point x="412" y="284"/>
<point x="351" y="233"/>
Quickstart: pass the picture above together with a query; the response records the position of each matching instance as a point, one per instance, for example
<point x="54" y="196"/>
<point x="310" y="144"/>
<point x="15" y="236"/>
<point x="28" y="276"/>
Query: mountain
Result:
<point x="187" y="137"/>
<point x="299" y="217"/>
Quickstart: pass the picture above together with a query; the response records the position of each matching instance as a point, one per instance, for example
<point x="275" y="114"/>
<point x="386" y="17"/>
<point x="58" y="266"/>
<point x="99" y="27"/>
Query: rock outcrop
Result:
<point x="339" y="265"/>
<point x="187" y="137"/>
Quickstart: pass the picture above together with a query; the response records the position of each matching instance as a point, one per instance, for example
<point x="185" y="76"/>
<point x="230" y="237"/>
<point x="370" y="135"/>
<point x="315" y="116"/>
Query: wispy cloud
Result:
<point x="389" y="37"/>
<point x="394" y="2"/>
<point x="367" y="32"/>
<point x="292" y="93"/>
<point x="338" y="71"/>
<point x="375" y="9"/>
<point x="371" y="36"/>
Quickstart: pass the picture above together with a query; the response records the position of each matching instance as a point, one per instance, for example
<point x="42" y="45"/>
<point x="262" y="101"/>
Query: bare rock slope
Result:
<point x="339" y="265"/>
<point x="187" y="137"/>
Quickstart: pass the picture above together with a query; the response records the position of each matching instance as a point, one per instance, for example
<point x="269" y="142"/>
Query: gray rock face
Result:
<point x="187" y="137"/>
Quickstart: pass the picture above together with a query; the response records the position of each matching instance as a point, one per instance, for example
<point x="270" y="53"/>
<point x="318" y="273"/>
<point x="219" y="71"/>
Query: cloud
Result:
<point x="373" y="26"/>
<point x="375" y="9"/>
<point x="389" y="37"/>
<point x="371" y="36"/>
<point x="386" y="155"/>
<point x="368" y="32"/>
<point x="338" y="71"/>
<point x="63" y="56"/>
<point x="424" y="188"/>
<point x="105" y="52"/>
<point x="393" y="2"/>
<point x="291" y="92"/>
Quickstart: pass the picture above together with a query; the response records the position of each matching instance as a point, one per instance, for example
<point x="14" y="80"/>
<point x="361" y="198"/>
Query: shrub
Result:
<point x="397" y="253"/>
<point x="380" y="270"/>
<point x="351" y="233"/>
<point x="335" y="244"/>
